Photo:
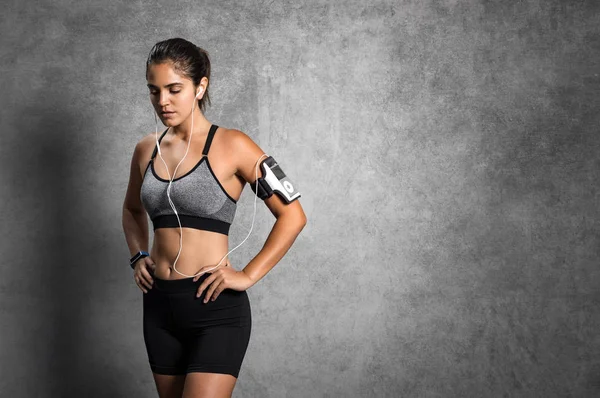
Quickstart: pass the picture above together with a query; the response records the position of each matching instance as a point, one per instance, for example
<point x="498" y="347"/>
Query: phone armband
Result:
<point x="273" y="181"/>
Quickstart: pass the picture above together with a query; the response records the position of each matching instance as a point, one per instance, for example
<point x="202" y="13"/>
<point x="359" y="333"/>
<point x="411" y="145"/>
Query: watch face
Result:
<point x="138" y="256"/>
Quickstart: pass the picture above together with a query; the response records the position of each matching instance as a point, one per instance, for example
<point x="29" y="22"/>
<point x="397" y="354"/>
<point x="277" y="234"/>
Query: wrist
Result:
<point x="252" y="281"/>
<point x="137" y="256"/>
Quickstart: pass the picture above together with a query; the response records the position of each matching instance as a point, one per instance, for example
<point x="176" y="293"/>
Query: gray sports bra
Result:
<point x="200" y="199"/>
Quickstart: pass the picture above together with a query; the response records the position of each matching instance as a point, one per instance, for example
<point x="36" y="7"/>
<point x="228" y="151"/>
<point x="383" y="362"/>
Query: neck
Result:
<point x="201" y="126"/>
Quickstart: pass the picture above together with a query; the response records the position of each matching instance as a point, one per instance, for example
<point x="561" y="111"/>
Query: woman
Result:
<point x="197" y="316"/>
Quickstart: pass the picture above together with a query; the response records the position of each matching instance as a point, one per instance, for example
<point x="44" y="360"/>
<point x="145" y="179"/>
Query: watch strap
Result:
<point x="137" y="256"/>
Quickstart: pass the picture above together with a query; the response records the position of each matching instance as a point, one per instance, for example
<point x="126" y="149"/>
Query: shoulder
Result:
<point x="238" y="141"/>
<point x="146" y="144"/>
<point x="143" y="149"/>
<point x="244" y="152"/>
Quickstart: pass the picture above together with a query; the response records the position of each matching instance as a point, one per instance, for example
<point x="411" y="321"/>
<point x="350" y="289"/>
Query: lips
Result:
<point x="167" y="113"/>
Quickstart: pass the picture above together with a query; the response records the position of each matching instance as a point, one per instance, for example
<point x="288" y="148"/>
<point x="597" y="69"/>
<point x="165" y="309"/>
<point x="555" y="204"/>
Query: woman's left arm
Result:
<point x="290" y="221"/>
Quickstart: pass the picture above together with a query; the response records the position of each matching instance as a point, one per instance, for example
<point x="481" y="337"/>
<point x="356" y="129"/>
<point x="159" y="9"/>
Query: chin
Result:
<point x="170" y="122"/>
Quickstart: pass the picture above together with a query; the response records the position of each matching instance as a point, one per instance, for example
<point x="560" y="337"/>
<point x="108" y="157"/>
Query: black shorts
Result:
<point x="183" y="334"/>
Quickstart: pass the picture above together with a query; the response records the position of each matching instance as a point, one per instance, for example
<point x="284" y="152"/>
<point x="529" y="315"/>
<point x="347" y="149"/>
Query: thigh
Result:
<point x="219" y="350"/>
<point x="169" y="386"/>
<point x="165" y="347"/>
<point x="218" y="332"/>
<point x="208" y="385"/>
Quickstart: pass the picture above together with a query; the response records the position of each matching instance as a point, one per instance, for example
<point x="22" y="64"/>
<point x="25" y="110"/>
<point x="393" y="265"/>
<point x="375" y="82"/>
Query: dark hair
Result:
<point x="188" y="60"/>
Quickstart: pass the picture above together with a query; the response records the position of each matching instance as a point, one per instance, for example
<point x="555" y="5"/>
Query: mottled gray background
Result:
<point x="448" y="158"/>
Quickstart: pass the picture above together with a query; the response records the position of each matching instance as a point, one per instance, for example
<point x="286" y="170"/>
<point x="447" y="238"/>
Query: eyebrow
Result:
<point x="168" y="85"/>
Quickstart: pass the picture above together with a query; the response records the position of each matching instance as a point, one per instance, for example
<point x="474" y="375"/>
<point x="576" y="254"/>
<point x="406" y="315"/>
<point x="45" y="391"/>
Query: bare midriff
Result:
<point x="200" y="248"/>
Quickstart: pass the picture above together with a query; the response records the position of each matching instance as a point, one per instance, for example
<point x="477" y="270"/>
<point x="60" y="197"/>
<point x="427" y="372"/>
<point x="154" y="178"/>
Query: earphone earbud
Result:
<point x="199" y="92"/>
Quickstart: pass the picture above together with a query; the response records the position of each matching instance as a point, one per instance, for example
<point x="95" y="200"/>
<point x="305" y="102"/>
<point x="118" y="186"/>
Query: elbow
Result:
<point x="131" y="212"/>
<point x="295" y="221"/>
<point x="292" y="216"/>
<point x="303" y="220"/>
<point x="131" y="208"/>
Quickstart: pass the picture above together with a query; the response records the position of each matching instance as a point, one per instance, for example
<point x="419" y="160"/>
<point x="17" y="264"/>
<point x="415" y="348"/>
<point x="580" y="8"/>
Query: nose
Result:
<point x="163" y="98"/>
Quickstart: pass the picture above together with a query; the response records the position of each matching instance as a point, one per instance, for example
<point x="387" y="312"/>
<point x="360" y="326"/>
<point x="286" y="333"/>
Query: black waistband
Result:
<point x="178" y="285"/>
<point x="206" y="224"/>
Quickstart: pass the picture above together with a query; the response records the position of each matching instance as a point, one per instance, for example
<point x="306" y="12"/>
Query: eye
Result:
<point x="154" y="92"/>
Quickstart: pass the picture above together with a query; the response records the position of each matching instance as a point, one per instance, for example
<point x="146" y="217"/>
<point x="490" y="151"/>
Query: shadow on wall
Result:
<point x="48" y="282"/>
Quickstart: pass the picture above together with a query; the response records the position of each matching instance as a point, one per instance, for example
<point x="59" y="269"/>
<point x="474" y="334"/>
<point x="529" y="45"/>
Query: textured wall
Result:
<point x="448" y="157"/>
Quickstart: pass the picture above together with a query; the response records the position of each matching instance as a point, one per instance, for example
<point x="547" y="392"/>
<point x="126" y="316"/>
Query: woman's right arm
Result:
<point x="135" y="221"/>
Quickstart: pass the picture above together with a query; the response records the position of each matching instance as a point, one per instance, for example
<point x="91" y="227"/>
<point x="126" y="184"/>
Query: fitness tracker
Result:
<point x="137" y="256"/>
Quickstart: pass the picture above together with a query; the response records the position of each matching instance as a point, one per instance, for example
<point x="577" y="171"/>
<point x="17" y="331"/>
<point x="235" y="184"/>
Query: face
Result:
<point x="171" y="94"/>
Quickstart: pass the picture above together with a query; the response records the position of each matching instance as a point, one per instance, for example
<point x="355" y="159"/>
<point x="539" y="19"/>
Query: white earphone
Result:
<point x="171" y="181"/>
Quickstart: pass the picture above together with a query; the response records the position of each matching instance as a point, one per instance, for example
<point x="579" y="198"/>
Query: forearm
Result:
<point x="282" y="236"/>
<point x="135" y="227"/>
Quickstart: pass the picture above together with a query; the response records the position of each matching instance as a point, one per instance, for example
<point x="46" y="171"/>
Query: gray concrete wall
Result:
<point x="448" y="158"/>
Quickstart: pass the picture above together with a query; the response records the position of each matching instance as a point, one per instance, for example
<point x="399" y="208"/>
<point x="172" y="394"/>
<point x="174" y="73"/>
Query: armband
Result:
<point x="274" y="180"/>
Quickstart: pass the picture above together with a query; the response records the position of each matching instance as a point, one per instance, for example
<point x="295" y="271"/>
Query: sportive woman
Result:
<point x="197" y="318"/>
